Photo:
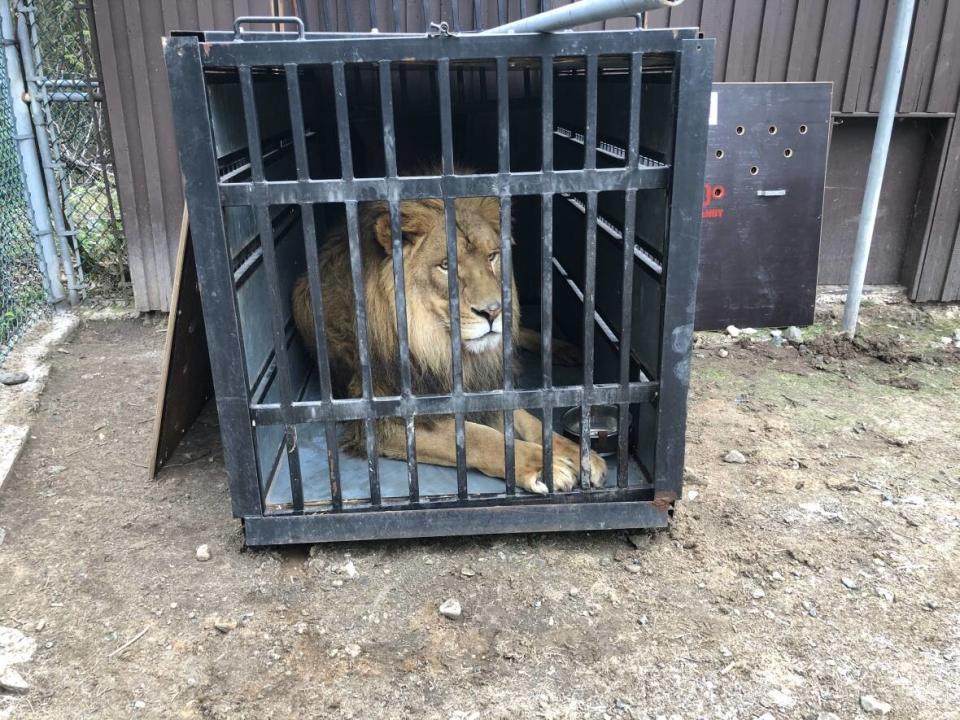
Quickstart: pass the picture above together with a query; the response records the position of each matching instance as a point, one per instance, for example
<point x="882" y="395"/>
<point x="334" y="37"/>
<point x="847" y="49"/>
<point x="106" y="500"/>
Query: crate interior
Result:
<point x="475" y="138"/>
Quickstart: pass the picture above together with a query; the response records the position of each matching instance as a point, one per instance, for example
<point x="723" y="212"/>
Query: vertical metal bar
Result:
<point x="323" y="360"/>
<point x="629" y="240"/>
<point x="680" y="264"/>
<point x="281" y="358"/>
<point x="878" y="161"/>
<point x="506" y="266"/>
<point x="589" y="288"/>
<point x="356" y="271"/>
<point x="590" y="131"/>
<point x="399" y="281"/>
<point x="453" y="285"/>
<point x="296" y="122"/>
<point x="254" y="149"/>
<point x="268" y="247"/>
<point x="546" y="269"/>
<point x="373" y="14"/>
<point x="196" y="149"/>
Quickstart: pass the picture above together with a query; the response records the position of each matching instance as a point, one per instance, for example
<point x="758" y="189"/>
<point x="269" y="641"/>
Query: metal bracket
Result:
<point x="771" y="193"/>
<point x="268" y="20"/>
<point x="440" y="29"/>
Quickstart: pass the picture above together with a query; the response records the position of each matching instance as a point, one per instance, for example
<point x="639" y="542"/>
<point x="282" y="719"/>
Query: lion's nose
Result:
<point x="489" y="312"/>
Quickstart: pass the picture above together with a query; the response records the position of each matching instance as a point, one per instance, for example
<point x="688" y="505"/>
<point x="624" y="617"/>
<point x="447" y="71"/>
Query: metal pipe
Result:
<point x="54" y="201"/>
<point x="580" y="13"/>
<point x="878" y="161"/>
<point x="30" y="162"/>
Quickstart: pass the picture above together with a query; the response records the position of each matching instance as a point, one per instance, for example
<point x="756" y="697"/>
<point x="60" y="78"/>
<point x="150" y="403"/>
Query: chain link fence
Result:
<point x="22" y="290"/>
<point x="64" y="49"/>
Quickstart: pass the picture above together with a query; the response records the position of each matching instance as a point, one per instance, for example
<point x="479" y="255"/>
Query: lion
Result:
<point x="428" y="329"/>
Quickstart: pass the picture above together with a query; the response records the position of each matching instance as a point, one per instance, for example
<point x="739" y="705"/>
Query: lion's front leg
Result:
<point x="565" y="452"/>
<point x="436" y="444"/>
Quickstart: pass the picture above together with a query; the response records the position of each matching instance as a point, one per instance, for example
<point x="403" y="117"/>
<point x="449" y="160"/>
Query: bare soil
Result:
<point x="823" y="569"/>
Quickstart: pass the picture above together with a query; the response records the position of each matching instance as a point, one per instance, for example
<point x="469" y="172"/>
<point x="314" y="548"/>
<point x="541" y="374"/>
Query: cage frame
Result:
<point x="189" y="55"/>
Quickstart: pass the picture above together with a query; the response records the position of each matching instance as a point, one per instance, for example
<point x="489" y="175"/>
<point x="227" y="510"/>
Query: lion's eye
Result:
<point x="492" y="257"/>
<point x="443" y="265"/>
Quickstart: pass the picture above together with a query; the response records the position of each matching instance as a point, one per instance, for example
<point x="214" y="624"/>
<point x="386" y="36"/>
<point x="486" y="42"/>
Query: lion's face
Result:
<point x="427" y="273"/>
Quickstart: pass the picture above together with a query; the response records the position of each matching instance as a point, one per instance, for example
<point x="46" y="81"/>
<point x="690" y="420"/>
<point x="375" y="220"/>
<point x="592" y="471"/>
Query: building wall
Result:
<point x="845" y="41"/>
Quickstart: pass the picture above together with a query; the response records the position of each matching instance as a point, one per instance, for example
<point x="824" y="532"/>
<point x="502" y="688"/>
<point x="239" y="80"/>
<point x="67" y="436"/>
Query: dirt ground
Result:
<point x="822" y="569"/>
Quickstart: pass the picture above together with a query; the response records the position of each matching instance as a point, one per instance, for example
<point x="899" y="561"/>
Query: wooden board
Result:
<point x="186" y="384"/>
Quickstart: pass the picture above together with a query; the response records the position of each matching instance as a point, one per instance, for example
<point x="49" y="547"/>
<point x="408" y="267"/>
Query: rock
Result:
<point x="810" y="608"/>
<point x="350" y="570"/>
<point x="203" y="553"/>
<point x="56" y="469"/>
<point x="781" y="699"/>
<point x="13" y="378"/>
<point x="692" y="478"/>
<point x="139" y="705"/>
<point x="574" y="591"/>
<point x="353" y="650"/>
<point x="15" y="647"/>
<point x="885" y="594"/>
<point x="734" y="456"/>
<point x="635" y="569"/>
<point x="337" y="582"/>
<point x="3" y="534"/>
<point x="776" y="576"/>
<point x="793" y="334"/>
<point x="733" y="331"/>
<point x="850" y="583"/>
<point x="766" y="716"/>
<point x="225" y="625"/>
<point x="931" y="605"/>
<point x="722" y="352"/>
<point x="827" y="716"/>
<point x="776" y="333"/>
<point x="758" y="594"/>
<point x="642" y="620"/>
<point x="692" y="495"/>
<point x="956" y="335"/>
<point x="749" y="331"/>
<point x="451" y="609"/>
<point x="12" y="682"/>
<point x="871" y="705"/>
<point x="468" y="572"/>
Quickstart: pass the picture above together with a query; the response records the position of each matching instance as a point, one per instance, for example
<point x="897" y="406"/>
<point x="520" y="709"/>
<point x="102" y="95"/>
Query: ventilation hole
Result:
<point x="719" y="154"/>
<point x="718" y="192"/>
<point x="739" y="129"/>
<point x="754" y="170"/>
<point x="772" y="129"/>
<point x="788" y="153"/>
<point x="803" y="129"/>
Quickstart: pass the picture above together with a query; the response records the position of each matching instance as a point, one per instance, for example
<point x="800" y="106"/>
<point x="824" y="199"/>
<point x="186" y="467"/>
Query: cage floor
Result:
<point x="435" y="481"/>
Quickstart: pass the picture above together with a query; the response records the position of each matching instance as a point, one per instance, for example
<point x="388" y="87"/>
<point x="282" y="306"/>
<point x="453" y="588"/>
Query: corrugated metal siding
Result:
<point x="845" y="41"/>
<point x="138" y="101"/>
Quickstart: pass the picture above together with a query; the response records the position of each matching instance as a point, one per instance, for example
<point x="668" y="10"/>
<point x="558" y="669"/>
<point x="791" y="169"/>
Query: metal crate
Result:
<point x="594" y="135"/>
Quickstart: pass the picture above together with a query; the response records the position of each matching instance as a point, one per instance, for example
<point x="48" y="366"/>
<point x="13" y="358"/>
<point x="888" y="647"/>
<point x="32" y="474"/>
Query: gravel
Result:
<point x="734" y="456"/>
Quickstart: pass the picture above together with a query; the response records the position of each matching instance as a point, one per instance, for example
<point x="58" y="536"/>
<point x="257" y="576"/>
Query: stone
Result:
<point x="56" y="469"/>
<point x="758" y="594"/>
<point x="13" y="378"/>
<point x="827" y="716"/>
<point x="692" y="478"/>
<point x="350" y="570"/>
<point x="748" y="331"/>
<point x="203" y="553"/>
<point x="766" y="716"/>
<point x="451" y="609"/>
<point x="734" y="456"/>
<point x="635" y="569"/>
<point x="574" y="591"/>
<point x="3" y="535"/>
<point x="225" y="625"/>
<point x="723" y="352"/>
<point x="850" y="583"/>
<point x="733" y="331"/>
<point x="793" y="334"/>
<point x="337" y="582"/>
<point x="781" y="699"/>
<point x="468" y="572"/>
<point x="12" y="682"/>
<point x="873" y="706"/>
<point x="884" y="593"/>
<point x="139" y="705"/>
<point x="353" y="650"/>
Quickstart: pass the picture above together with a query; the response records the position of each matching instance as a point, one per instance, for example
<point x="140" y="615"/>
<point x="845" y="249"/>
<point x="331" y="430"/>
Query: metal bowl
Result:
<point x="604" y="427"/>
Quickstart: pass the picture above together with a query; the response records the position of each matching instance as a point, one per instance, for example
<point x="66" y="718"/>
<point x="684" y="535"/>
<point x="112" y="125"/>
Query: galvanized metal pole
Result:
<point x="30" y="162"/>
<point x="580" y="13"/>
<point x="903" y="21"/>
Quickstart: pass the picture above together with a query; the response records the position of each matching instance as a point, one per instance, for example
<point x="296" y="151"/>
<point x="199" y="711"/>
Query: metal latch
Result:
<point x="440" y="29"/>
<point x="771" y="193"/>
<point x="268" y="20"/>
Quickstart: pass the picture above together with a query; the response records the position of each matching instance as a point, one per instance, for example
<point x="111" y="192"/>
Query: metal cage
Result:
<point x="593" y="134"/>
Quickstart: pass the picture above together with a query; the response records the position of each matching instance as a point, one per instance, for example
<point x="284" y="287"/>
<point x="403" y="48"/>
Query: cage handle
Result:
<point x="268" y="20"/>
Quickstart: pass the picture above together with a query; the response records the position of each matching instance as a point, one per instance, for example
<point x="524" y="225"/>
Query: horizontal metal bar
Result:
<point x="436" y="522"/>
<point x="410" y="188"/>
<point x="376" y="47"/>
<point x="491" y="400"/>
<point x="580" y="13"/>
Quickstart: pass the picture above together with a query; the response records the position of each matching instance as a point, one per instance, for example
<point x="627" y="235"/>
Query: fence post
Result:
<point x="30" y="162"/>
